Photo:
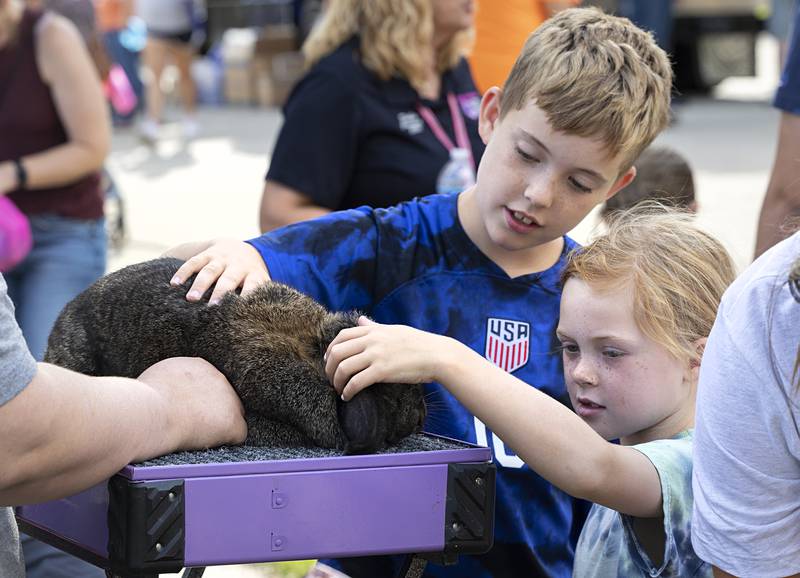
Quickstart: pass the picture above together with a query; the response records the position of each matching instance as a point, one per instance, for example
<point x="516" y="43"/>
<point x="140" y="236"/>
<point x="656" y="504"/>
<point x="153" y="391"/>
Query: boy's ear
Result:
<point x="622" y="181"/>
<point x="490" y="113"/>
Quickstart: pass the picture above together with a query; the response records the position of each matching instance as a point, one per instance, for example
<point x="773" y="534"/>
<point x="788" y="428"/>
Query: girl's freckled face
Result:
<point x="620" y="381"/>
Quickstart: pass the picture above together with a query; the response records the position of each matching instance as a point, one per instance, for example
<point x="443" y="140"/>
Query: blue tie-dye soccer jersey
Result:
<point x="608" y="546"/>
<point x="413" y="264"/>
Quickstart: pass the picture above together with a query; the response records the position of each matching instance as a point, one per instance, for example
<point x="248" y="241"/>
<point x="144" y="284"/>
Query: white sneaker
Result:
<point x="148" y="130"/>
<point x="190" y="128"/>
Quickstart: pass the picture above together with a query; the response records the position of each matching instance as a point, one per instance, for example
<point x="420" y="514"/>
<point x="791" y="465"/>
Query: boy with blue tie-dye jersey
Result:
<point x="588" y="93"/>
<point x="637" y="307"/>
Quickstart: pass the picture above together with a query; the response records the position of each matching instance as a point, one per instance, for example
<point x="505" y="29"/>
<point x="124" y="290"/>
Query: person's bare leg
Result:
<point x="782" y="201"/>
<point x="154" y="58"/>
<point x="183" y="55"/>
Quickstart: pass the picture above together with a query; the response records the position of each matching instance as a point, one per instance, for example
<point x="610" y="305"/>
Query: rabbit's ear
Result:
<point x="363" y="424"/>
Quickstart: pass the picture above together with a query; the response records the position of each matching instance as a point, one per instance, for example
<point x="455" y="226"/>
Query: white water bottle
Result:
<point x="457" y="174"/>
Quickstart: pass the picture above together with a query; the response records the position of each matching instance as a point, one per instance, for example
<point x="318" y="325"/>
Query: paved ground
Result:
<point x="211" y="186"/>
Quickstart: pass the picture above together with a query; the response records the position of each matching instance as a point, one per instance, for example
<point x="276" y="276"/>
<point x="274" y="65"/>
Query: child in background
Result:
<point x="638" y="304"/>
<point x="483" y="266"/>
<point x="663" y="175"/>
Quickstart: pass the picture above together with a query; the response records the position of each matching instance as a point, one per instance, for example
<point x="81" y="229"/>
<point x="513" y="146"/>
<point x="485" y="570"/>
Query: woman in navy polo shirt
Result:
<point x="387" y="95"/>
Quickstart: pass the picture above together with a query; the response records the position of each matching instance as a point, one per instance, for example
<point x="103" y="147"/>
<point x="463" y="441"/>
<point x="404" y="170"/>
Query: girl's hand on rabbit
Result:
<point x="225" y="263"/>
<point x="373" y="353"/>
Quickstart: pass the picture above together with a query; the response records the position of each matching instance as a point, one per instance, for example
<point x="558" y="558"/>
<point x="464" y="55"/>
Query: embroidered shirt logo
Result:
<point x="508" y="343"/>
<point x="410" y="122"/>
<point x="470" y="104"/>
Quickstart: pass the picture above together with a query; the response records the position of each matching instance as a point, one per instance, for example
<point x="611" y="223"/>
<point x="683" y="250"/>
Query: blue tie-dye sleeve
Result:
<point x="353" y="259"/>
<point x="332" y="258"/>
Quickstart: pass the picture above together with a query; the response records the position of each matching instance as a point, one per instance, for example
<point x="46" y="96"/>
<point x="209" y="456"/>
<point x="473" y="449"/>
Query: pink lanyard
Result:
<point x="458" y="125"/>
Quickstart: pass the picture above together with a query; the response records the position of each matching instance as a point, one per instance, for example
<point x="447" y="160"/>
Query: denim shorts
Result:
<point x="68" y="255"/>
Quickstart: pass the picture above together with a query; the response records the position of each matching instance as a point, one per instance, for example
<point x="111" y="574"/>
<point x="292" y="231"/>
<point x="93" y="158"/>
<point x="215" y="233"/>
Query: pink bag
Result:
<point x="119" y="91"/>
<point x="15" y="235"/>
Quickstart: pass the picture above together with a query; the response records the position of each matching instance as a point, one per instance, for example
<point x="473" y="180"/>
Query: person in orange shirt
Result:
<point x="113" y="14"/>
<point x="501" y="31"/>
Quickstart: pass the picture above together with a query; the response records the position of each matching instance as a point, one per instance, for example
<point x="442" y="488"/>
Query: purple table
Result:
<point x="426" y="495"/>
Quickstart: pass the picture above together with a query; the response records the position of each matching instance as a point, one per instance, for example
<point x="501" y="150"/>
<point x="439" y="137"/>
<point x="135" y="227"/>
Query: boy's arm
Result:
<point x="549" y="437"/>
<point x="65" y="431"/>
<point x="333" y="259"/>
<point x="227" y="264"/>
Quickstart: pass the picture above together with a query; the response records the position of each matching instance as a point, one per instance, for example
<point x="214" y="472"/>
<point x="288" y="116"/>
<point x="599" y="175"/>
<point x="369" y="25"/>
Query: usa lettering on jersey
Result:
<point x="470" y="104"/>
<point x="508" y="343"/>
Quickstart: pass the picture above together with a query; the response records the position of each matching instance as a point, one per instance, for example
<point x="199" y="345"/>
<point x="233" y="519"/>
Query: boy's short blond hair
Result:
<point x="597" y="76"/>
<point x="678" y="273"/>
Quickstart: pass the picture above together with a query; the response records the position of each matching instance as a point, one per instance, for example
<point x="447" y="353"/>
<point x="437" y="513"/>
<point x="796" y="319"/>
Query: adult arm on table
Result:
<point x="66" y="431"/>
<point x="65" y="65"/>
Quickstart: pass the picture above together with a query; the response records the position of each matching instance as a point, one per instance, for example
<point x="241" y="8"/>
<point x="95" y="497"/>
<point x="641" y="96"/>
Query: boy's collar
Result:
<point x="548" y="278"/>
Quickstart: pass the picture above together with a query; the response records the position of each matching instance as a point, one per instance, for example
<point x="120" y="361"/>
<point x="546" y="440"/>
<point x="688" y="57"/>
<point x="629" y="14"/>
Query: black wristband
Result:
<point x="22" y="174"/>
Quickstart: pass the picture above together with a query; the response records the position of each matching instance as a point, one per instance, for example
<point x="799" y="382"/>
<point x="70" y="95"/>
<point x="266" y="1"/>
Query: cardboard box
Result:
<point x="262" y="81"/>
<point x="274" y="39"/>
<point x="238" y="83"/>
<point x="274" y="79"/>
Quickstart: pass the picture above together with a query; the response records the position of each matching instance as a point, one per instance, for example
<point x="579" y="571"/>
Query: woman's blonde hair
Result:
<point x="396" y="36"/>
<point x="678" y="273"/>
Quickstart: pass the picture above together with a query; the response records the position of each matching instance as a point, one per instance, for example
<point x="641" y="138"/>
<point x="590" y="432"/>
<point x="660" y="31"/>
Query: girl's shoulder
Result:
<point x="672" y="454"/>
<point x="679" y="442"/>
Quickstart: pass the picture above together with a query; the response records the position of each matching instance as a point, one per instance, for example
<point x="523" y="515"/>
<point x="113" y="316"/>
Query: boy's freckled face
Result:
<point x="536" y="184"/>
<point x="622" y="383"/>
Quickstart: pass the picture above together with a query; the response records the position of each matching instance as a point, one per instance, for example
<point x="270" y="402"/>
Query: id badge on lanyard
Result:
<point x="460" y="128"/>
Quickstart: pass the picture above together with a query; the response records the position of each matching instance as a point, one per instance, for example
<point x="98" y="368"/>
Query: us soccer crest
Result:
<point x="508" y="343"/>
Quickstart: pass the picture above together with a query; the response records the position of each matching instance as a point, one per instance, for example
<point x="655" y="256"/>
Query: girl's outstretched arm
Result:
<point x="548" y="436"/>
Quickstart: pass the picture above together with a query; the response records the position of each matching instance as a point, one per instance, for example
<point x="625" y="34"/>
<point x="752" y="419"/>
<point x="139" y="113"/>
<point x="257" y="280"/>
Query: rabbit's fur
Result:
<point x="269" y="344"/>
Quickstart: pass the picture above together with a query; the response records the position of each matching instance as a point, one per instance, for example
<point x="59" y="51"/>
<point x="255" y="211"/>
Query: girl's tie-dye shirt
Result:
<point x="608" y="545"/>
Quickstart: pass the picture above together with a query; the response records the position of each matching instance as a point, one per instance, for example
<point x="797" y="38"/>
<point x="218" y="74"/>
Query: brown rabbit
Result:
<point x="269" y="344"/>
